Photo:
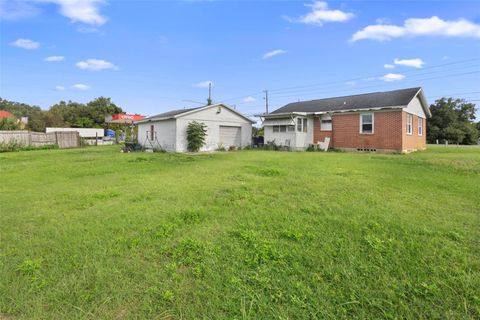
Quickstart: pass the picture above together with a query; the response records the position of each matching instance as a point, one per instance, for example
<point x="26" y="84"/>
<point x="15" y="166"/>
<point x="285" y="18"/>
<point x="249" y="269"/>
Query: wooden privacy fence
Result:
<point x="62" y="139"/>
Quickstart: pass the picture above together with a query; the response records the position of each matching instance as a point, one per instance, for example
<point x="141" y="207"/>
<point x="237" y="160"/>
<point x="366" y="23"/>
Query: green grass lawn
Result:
<point x="96" y="234"/>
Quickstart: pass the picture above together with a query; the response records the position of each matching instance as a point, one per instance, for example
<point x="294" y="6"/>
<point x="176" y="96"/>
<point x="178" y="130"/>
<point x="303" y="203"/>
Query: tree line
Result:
<point x="62" y="114"/>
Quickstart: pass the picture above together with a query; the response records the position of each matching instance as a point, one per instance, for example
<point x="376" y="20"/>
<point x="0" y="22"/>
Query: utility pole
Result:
<point x="209" y="100"/>
<point x="266" y="101"/>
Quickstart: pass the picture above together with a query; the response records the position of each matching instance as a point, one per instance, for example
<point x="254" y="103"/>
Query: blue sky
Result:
<point x="152" y="56"/>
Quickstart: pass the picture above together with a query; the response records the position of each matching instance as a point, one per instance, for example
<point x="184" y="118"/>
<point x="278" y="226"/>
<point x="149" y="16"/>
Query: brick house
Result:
<point x="392" y="121"/>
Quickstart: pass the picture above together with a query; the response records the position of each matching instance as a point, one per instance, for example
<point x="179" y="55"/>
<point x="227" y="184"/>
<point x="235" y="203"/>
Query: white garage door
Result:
<point x="230" y="136"/>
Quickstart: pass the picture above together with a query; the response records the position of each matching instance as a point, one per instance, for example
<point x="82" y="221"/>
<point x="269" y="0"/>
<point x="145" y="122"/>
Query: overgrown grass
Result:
<point x="96" y="234"/>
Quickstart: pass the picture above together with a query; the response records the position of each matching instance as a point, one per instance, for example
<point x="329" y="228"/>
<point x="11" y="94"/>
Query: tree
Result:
<point x="452" y="120"/>
<point x="64" y="114"/>
<point x="196" y="134"/>
<point x="8" y="124"/>
<point x="34" y="113"/>
<point x="258" y="132"/>
<point x="99" y="108"/>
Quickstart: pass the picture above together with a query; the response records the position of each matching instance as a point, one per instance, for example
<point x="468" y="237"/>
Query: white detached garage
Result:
<point x="226" y="128"/>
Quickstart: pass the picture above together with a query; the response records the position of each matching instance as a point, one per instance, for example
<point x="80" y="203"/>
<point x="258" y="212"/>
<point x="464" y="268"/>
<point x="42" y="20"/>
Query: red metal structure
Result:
<point x="123" y="118"/>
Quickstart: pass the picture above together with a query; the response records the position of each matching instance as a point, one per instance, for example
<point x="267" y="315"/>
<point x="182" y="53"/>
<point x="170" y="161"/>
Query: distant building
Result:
<point x="6" y="114"/>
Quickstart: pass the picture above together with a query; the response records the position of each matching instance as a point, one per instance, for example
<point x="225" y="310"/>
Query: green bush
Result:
<point x="14" y="145"/>
<point x="196" y="133"/>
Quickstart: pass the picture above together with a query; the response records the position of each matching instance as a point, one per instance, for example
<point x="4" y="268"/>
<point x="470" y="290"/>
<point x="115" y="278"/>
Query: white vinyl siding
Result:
<point x="230" y="136"/>
<point x="409" y="123"/>
<point x="367" y="124"/>
<point x="420" y="126"/>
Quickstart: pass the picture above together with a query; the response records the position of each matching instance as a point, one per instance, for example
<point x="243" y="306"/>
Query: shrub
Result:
<point x="14" y="145"/>
<point x="196" y="133"/>
<point x="11" y="145"/>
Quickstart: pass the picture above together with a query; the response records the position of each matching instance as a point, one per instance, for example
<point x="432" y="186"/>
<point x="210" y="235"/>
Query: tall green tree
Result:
<point x="99" y="108"/>
<point x="452" y="120"/>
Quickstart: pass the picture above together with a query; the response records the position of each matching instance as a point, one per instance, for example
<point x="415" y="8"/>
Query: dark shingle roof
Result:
<point x="170" y="114"/>
<point x="360" y="101"/>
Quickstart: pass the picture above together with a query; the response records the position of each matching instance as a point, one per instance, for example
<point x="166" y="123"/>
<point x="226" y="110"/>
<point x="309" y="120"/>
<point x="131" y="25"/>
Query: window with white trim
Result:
<point x="420" y="126"/>
<point x="302" y="124"/>
<point x="283" y="128"/>
<point x="326" y="123"/>
<point x="366" y="123"/>
<point x="409" y="123"/>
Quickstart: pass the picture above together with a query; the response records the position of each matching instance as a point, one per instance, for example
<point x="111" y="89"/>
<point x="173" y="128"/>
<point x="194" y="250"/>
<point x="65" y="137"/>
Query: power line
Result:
<point x="374" y="76"/>
<point x="378" y="85"/>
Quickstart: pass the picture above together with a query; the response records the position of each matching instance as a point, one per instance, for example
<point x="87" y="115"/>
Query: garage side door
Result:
<point x="230" y="136"/>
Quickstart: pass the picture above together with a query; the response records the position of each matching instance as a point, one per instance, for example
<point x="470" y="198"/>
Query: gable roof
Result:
<point x="376" y="100"/>
<point x="6" y="114"/>
<point x="170" y="114"/>
<point x="173" y="114"/>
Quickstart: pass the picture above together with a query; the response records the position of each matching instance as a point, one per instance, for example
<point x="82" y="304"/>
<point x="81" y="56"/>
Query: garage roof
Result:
<point x="180" y="112"/>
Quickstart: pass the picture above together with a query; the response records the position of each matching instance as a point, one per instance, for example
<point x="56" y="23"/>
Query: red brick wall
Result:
<point x="387" y="131"/>
<point x="414" y="141"/>
<point x="319" y="135"/>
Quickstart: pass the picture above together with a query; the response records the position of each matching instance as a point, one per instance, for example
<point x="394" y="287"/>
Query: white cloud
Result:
<point x="96" y="65"/>
<point x="249" y="99"/>
<point x="415" y="63"/>
<point x="59" y="88"/>
<point x="390" y="77"/>
<point x="388" y="66"/>
<point x="273" y="53"/>
<point x="85" y="11"/>
<point x="321" y="14"/>
<point x="26" y="44"/>
<point x="445" y="57"/>
<point x="351" y="83"/>
<point x="15" y="10"/>
<point x="412" y="27"/>
<point x="54" y="58"/>
<point x="81" y="87"/>
<point x="203" y="84"/>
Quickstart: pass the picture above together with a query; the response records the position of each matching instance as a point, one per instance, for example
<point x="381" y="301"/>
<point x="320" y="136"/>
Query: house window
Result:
<point x="366" y="123"/>
<point x="420" y="126"/>
<point x="409" y="123"/>
<point x="283" y="128"/>
<point x="302" y="124"/>
<point x="326" y="123"/>
<point x="152" y="132"/>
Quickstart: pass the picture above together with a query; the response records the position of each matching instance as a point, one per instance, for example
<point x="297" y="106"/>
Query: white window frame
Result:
<point x="299" y="124"/>
<point x="302" y="124"/>
<point x="420" y="126"/>
<point x="409" y="124"/>
<point x="361" y="122"/>
<point x="322" y="126"/>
